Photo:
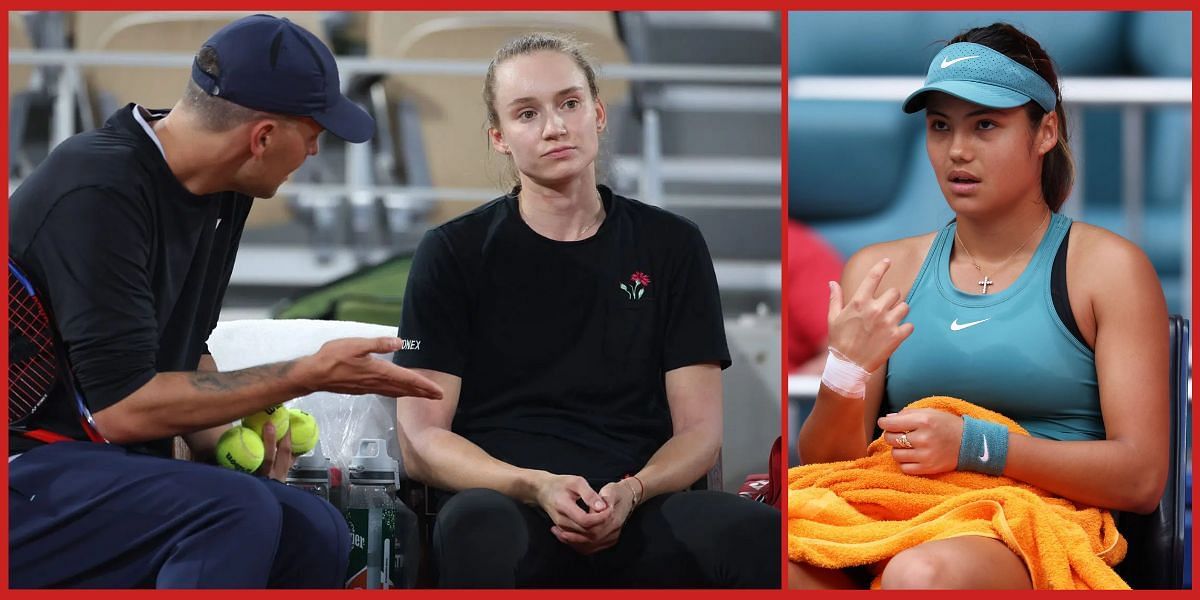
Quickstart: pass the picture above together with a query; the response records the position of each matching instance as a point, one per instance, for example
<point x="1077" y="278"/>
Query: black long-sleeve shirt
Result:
<point x="134" y="266"/>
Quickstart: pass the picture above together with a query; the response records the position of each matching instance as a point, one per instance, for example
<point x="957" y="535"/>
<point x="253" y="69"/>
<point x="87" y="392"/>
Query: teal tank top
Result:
<point x="1008" y="351"/>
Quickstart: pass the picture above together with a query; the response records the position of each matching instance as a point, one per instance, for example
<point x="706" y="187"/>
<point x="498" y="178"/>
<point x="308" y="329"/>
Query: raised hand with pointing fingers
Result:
<point x="867" y="328"/>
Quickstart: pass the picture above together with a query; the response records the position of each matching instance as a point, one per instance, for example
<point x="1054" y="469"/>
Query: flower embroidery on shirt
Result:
<point x="638" y="282"/>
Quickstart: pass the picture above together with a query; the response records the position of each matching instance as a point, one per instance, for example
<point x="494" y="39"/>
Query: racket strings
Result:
<point x="30" y="378"/>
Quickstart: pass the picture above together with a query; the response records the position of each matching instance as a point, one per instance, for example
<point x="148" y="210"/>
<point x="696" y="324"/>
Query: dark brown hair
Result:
<point x="1058" y="167"/>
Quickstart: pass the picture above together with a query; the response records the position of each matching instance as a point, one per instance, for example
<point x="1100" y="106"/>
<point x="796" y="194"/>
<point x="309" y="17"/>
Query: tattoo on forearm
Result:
<point x="232" y="380"/>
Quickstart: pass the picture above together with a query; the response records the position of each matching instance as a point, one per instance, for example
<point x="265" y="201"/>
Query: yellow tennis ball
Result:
<point x="304" y="431"/>
<point x="240" y="449"/>
<point x="277" y="415"/>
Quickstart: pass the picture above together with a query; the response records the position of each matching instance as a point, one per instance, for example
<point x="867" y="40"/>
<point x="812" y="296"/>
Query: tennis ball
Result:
<point x="277" y="415"/>
<point x="240" y="449"/>
<point x="304" y="431"/>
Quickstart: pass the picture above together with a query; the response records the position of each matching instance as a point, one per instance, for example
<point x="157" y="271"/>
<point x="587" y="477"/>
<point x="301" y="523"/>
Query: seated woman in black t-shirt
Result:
<point x="579" y="339"/>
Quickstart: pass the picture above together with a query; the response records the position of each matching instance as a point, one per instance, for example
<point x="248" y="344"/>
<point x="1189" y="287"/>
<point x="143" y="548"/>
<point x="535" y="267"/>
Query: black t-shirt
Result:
<point x="134" y="266"/>
<point x="562" y="347"/>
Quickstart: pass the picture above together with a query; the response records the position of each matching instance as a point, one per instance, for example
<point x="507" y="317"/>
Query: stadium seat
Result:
<point x="154" y="31"/>
<point x="160" y="87"/>
<point x="19" y="77"/>
<point x="18" y="39"/>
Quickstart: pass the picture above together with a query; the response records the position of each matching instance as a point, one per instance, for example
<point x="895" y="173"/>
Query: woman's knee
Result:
<point x="479" y="539"/>
<point x="917" y="568"/>
<point x="968" y="562"/>
<point x="480" y="512"/>
<point x="725" y="519"/>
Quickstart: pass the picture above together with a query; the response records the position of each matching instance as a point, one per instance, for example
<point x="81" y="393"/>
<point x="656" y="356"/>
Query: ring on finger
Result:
<point x="902" y="439"/>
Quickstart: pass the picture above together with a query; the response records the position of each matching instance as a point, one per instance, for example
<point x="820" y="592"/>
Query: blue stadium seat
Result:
<point x="1187" y="536"/>
<point x="857" y="43"/>
<point x="828" y="137"/>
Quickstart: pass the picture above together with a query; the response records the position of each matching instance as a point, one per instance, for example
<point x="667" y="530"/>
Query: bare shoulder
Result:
<point x="1110" y="268"/>
<point x="907" y="255"/>
<point x="1102" y="255"/>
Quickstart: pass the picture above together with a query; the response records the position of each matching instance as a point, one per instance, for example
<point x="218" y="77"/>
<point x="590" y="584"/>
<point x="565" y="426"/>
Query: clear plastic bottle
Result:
<point x="371" y="510"/>
<point x="311" y="472"/>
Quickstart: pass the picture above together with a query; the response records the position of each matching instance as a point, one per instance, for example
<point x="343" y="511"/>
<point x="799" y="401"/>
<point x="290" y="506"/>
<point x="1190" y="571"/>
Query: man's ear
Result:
<point x="260" y="136"/>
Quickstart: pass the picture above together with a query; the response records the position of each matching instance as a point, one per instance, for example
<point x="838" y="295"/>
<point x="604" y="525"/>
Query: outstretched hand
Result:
<point x="345" y="366"/>
<point x="867" y="329"/>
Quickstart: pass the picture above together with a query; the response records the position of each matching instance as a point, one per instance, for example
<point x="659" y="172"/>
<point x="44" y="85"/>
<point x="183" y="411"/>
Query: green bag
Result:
<point x="374" y="294"/>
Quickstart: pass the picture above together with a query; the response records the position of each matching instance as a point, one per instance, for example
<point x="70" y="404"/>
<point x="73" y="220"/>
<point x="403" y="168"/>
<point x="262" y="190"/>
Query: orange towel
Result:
<point x="863" y="511"/>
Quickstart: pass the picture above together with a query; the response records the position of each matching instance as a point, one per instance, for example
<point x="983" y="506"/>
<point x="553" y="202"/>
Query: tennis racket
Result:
<point x="36" y="362"/>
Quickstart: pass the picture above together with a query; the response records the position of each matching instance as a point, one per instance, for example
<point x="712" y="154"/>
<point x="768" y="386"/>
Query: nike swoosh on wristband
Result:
<point x="956" y="326"/>
<point x="984" y="457"/>
<point x="946" y="63"/>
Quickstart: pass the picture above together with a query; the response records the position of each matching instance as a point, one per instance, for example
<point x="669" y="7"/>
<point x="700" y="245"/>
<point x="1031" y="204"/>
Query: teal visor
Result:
<point x="978" y="74"/>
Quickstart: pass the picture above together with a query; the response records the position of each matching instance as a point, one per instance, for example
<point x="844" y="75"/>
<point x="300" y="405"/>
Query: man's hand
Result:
<point x="277" y="455"/>
<point x="618" y="495"/>
<point x="346" y="366"/>
<point x="558" y="495"/>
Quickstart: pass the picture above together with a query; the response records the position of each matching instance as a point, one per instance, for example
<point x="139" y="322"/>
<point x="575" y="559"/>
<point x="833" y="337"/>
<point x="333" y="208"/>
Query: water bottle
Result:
<point x="311" y="472"/>
<point x="376" y="517"/>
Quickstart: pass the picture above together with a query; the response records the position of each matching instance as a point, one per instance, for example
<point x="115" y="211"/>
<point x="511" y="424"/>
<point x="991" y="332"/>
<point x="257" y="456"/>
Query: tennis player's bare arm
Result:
<point x="1118" y="303"/>
<point x="184" y="402"/>
<point x="203" y="443"/>
<point x="437" y="456"/>
<point x="840" y="428"/>
<point x="694" y="397"/>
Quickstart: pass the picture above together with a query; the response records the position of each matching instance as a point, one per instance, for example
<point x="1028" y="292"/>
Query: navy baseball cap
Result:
<point x="976" y="73"/>
<point x="273" y="65"/>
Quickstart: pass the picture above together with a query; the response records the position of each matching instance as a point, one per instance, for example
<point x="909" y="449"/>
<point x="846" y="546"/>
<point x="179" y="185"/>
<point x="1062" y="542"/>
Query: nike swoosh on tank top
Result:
<point x="1015" y="356"/>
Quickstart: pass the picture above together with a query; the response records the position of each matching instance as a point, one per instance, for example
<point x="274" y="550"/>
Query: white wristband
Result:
<point x="844" y="377"/>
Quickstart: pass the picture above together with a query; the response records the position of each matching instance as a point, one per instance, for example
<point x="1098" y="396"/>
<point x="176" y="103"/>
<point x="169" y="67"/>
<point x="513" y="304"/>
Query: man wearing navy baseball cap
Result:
<point x="129" y="233"/>
<point x="276" y="66"/>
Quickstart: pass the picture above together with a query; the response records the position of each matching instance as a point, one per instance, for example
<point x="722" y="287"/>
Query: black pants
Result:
<point x="689" y="539"/>
<point x="97" y="516"/>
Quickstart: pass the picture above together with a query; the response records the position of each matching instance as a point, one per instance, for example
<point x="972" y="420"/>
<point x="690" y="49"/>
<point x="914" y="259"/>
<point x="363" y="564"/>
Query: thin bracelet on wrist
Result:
<point x="637" y="496"/>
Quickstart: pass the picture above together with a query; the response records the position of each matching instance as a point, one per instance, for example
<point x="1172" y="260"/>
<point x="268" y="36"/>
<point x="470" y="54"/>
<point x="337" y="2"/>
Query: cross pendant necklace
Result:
<point x="985" y="282"/>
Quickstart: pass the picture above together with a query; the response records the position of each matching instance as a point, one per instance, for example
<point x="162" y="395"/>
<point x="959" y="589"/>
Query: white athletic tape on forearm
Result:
<point x="844" y="377"/>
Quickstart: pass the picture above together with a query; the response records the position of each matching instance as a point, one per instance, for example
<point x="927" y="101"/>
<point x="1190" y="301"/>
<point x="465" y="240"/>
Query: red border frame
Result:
<point x="778" y="5"/>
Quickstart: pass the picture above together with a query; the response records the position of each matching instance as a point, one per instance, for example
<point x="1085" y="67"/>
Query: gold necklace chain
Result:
<point x="986" y="282"/>
<point x="599" y="217"/>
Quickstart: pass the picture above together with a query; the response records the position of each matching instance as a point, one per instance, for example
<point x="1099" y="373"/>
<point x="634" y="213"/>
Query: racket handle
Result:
<point x="46" y="436"/>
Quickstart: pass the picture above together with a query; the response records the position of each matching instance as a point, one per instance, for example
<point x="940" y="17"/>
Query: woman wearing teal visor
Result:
<point x="1059" y="326"/>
